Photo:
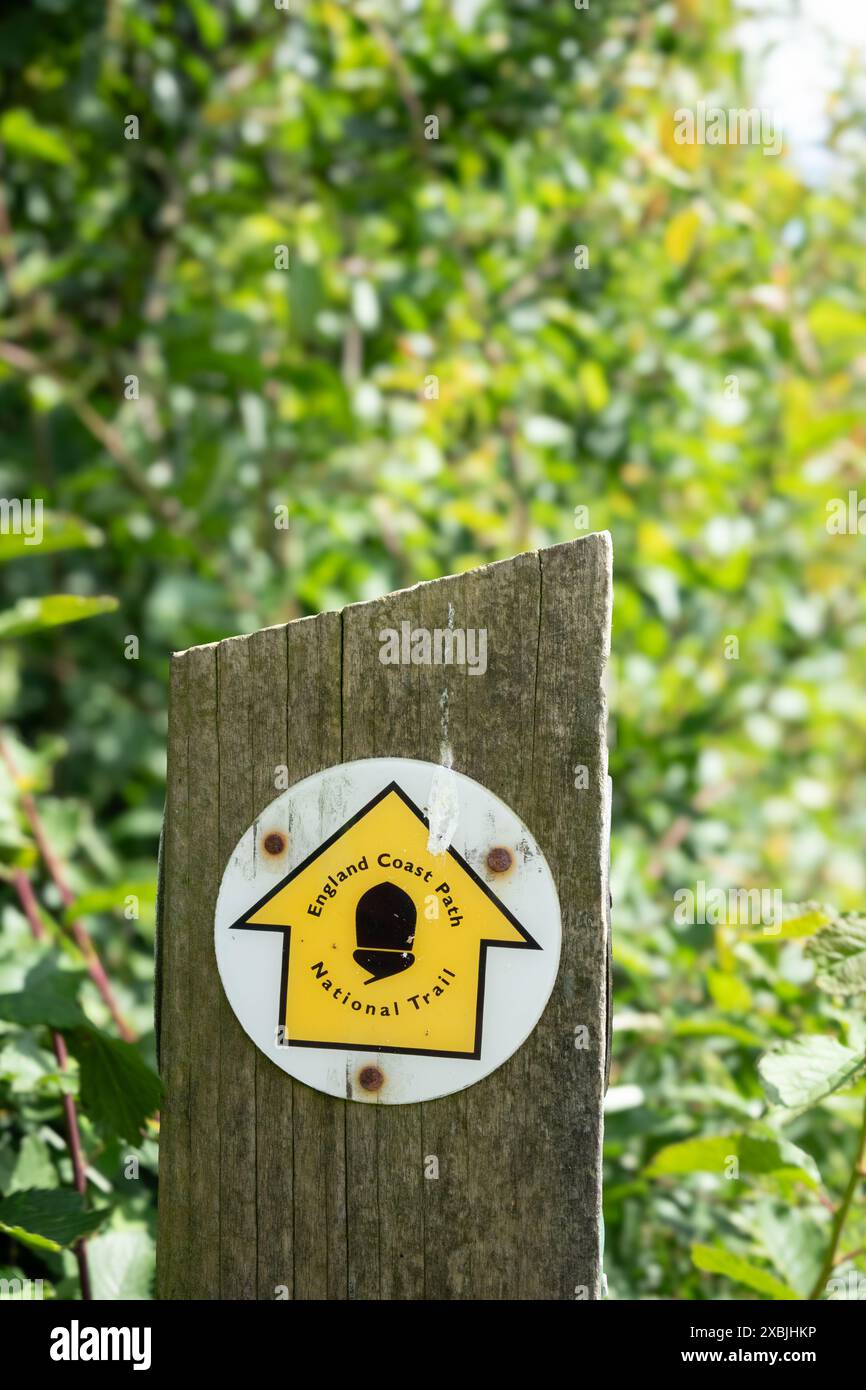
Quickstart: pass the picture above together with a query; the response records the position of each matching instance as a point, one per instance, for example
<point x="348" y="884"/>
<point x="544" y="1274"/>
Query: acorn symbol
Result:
<point x="385" y="930"/>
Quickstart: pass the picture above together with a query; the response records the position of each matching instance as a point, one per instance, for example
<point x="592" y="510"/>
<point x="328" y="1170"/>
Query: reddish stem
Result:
<point x="58" y="1042"/>
<point x="55" y="868"/>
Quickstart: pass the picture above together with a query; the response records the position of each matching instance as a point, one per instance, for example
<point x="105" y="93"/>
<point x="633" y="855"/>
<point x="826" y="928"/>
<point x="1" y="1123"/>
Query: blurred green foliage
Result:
<point x="432" y="384"/>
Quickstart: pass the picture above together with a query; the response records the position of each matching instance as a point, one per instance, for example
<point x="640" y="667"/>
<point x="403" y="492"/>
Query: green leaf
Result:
<point x="21" y="1288"/>
<point x="717" y="1028"/>
<point x="24" y="1065"/>
<point x="33" y="1167"/>
<point x="60" y="531"/>
<point x="756" y="1157"/>
<point x="209" y="21"/>
<point x="801" y="1072"/>
<point x="839" y="953"/>
<point x="792" y="1241"/>
<point x="728" y="992"/>
<point x="48" y="1220"/>
<point x="37" y="614"/>
<point x="714" y="1260"/>
<point x="834" y="324"/>
<point x="24" y="136"/>
<point x="118" y="1089"/>
<point x="680" y="235"/>
<point x="122" y="1265"/>
<point x="593" y="384"/>
<point x="803" y="919"/>
<point x="31" y="615"/>
<point x="50" y="1001"/>
<point x="112" y="899"/>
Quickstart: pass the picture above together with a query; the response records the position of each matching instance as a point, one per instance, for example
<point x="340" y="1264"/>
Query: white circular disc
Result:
<point x="366" y="944"/>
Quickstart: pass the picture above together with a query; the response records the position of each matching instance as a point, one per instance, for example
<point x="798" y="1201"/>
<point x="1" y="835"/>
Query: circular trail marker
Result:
<point x="374" y="958"/>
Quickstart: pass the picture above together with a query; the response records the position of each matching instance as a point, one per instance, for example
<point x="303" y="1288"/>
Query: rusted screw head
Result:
<point x="499" y="859"/>
<point x="372" y="1078"/>
<point x="275" y="842"/>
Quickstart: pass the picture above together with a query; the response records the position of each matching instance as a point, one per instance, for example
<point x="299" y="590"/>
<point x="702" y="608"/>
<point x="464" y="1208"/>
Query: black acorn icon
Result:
<point x="385" y="930"/>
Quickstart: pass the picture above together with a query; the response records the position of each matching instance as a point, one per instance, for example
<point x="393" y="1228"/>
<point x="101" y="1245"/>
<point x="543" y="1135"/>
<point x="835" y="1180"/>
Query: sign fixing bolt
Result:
<point x="372" y="1078"/>
<point x="499" y="859"/>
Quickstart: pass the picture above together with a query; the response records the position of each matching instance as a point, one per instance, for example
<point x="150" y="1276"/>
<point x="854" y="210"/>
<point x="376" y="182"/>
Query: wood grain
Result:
<point x="271" y="1189"/>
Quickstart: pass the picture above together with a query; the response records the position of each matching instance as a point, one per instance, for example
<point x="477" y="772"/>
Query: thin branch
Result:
<point x="7" y="243"/>
<point x="858" y="1171"/>
<point x="28" y="902"/>
<point x="405" y="82"/>
<point x="23" y="360"/>
<point x="530" y="282"/>
<point x="845" y="1255"/>
<point x="57" y="872"/>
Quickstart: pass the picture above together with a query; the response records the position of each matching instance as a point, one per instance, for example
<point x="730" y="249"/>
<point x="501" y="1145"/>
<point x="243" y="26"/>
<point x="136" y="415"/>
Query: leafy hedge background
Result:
<point x="606" y="388"/>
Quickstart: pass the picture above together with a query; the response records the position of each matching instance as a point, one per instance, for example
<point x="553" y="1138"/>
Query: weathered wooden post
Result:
<point x="274" y="1188"/>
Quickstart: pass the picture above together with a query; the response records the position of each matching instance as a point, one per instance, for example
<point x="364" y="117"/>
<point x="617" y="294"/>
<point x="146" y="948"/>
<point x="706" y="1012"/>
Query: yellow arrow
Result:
<point x="385" y="943"/>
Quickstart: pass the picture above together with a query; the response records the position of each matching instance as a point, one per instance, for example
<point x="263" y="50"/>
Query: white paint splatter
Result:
<point x="443" y="806"/>
<point x="443" y="809"/>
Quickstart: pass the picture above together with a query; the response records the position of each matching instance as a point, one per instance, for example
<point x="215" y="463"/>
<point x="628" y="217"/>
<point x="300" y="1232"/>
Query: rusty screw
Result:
<point x="274" y="843"/>
<point x="372" y="1078"/>
<point x="499" y="859"/>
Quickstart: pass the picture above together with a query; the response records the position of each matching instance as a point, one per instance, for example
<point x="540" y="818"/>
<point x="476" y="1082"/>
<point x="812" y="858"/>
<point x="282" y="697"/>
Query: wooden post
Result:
<point x="269" y="1188"/>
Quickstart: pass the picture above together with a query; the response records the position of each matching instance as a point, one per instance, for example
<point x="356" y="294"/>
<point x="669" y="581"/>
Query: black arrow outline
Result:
<point x="243" y="924"/>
